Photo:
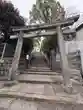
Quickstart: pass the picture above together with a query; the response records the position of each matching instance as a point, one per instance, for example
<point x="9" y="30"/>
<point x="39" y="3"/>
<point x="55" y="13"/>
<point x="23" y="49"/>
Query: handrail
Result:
<point x="3" y="51"/>
<point x="2" y="56"/>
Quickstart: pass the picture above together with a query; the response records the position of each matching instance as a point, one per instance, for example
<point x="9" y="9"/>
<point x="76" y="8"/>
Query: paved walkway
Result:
<point x="39" y="96"/>
<point x="38" y="88"/>
<point x="38" y="92"/>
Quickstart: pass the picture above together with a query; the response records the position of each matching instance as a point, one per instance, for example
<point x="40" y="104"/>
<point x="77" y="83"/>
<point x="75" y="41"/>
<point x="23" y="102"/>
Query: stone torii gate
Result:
<point x="24" y="32"/>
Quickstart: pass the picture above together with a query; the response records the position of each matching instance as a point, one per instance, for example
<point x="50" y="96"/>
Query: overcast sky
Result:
<point x="25" y="5"/>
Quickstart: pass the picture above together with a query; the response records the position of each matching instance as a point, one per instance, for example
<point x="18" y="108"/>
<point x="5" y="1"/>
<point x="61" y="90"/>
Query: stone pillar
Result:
<point x="80" y="48"/>
<point x="81" y="58"/>
<point x="50" y="62"/>
<point x="53" y="60"/>
<point x="81" y="69"/>
<point x="15" y="61"/>
<point x="64" y="62"/>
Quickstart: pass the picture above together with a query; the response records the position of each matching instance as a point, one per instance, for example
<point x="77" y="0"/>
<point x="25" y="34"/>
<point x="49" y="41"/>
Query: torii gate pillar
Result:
<point x="64" y="62"/>
<point x="15" y="62"/>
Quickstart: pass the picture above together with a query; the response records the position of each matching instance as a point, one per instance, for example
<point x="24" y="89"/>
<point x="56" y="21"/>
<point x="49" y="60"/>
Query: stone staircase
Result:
<point x="74" y="60"/>
<point x="4" y="70"/>
<point x="39" y="88"/>
<point x="39" y="71"/>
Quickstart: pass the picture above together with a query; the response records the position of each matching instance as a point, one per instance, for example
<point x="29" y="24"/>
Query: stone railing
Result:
<point x="4" y="67"/>
<point x="51" y="61"/>
<point x="46" y="59"/>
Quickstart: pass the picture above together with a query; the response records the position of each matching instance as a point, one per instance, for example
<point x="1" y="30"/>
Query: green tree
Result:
<point x="9" y="16"/>
<point x="47" y="11"/>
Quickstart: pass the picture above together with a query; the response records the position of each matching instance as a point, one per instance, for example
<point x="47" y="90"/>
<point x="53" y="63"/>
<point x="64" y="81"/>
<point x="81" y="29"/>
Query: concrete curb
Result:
<point x="47" y="82"/>
<point x="33" y="97"/>
<point x="41" y="73"/>
<point x="39" y="82"/>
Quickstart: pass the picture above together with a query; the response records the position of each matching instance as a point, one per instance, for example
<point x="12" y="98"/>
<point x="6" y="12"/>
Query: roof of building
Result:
<point x="79" y="24"/>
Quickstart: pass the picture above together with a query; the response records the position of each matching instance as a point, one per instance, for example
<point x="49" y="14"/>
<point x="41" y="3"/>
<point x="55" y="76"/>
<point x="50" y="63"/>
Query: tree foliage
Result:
<point x="9" y="16"/>
<point x="47" y="11"/>
<point x="49" y="44"/>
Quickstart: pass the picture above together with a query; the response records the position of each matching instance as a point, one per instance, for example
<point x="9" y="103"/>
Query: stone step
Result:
<point x="3" y="78"/>
<point x="43" y="79"/>
<point x="17" y="104"/>
<point x="75" y="63"/>
<point x="38" y="70"/>
<point x="74" y="73"/>
<point x="43" y="67"/>
<point x="38" y="67"/>
<point x="77" y="67"/>
<point x="60" y="98"/>
<point x="72" y="53"/>
<point x="74" y="60"/>
<point x="40" y="93"/>
<point x="40" y="73"/>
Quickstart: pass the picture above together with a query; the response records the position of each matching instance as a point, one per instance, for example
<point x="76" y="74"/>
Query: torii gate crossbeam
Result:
<point x="43" y="26"/>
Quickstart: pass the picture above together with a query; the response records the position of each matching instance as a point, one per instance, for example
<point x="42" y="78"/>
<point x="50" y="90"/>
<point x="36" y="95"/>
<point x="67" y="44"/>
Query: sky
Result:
<point x="73" y="5"/>
<point x="25" y="5"/>
<point x="76" y="3"/>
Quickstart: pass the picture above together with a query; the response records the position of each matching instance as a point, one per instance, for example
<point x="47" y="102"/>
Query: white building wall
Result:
<point x="79" y="35"/>
<point x="79" y="39"/>
<point x="71" y="46"/>
<point x="77" y="44"/>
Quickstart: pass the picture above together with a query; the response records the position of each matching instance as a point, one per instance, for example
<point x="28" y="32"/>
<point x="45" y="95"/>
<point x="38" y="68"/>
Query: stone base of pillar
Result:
<point x="10" y="83"/>
<point x="69" y="89"/>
